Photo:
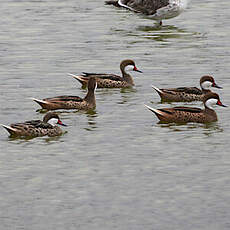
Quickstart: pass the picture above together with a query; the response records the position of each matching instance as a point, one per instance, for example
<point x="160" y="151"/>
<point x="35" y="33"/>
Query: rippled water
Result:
<point x="116" y="168"/>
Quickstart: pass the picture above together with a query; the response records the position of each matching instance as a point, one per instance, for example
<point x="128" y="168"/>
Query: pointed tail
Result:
<point x="74" y="76"/>
<point x="11" y="130"/>
<point x="159" y="91"/>
<point x="42" y="103"/>
<point x="156" y="111"/>
<point x="80" y="78"/>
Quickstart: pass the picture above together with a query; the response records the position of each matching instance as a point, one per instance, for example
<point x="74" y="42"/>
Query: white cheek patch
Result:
<point x="129" y="68"/>
<point x="211" y="102"/>
<point x="53" y="121"/>
<point x="206" y="84"/>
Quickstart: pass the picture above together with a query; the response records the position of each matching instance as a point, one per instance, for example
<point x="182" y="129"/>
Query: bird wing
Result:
<point x="171" y="111"/>
<point x="147" y="7"/>
<point x="188" y="109"/>
<point x="60" y="99"/>
<point x="104" y="76"/>
<point x="32" y="124"/>
<point x="188" y="90"/>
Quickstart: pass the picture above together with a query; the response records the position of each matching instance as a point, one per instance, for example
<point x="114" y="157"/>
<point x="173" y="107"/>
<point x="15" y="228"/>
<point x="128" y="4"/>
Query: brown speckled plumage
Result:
<point x="71" y="102"/>
<point x="110" y="80"/>
<point x="36" y="128"/>
<point x="186" y="94"/>
<point x="189" y="114"/>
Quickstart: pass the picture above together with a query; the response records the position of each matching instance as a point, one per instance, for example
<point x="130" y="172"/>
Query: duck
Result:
<point x="71" y="102"/>
<point x="111" y="80"/>
<point x="190" y="114"/>
<point x="37" y="128"/>
<point x="188" y="94"/>
<point x="154" y="9"/>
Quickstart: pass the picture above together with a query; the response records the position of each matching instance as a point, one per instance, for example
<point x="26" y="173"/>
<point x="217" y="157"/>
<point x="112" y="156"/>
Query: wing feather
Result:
<point x="148" y="7"/>
<point x="104" y="76"/>
<point x="188" y="90"/>
<point x="188" y="109"/>
<point x="60" y="99"/>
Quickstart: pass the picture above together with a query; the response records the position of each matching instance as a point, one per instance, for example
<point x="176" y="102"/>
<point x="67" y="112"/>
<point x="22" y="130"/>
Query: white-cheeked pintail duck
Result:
<point x="188" y="94"/>
<point x="190" y="114"/>
<point x="111" y="80"/>
<point x="71" y="102"/>
<point x="37" y="128"/>
<point x="154" y="9"/>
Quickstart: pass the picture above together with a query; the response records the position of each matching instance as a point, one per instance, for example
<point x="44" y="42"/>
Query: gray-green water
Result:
<point x="117" y="168"/>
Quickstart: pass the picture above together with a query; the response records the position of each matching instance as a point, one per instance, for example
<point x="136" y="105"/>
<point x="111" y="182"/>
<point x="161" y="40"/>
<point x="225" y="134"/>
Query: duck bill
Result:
<point x="137" y="70"/>
<point x="60" y="123"/>
<point x="220" y="104"/>
<point x="216" y="86"/>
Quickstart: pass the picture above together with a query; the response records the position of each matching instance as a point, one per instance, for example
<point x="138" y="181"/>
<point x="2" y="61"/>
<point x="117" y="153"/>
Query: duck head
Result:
<point x="53" y="119"/>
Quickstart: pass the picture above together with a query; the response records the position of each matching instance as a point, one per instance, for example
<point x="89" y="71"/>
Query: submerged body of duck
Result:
<point x="37" y="128"/>
<point x="188" y="94"/>
<point x="190" y="114"/>
<point x="111" y="80"/>
<point x="71" y="102"/>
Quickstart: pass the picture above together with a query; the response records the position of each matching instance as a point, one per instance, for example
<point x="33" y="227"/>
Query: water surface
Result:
<point x="115" y="168"/>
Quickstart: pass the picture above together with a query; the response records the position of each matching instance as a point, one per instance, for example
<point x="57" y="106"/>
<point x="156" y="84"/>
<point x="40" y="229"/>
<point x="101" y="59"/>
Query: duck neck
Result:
<point x="205" y="90"/>
<point x="210" y="113"/>
<point x="127" y="77"/>
<point x="209" y="110"/>
<point x="90" y="97"/>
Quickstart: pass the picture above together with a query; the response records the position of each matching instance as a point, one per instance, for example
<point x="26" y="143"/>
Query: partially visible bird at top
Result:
<point x="154" y="9"/>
